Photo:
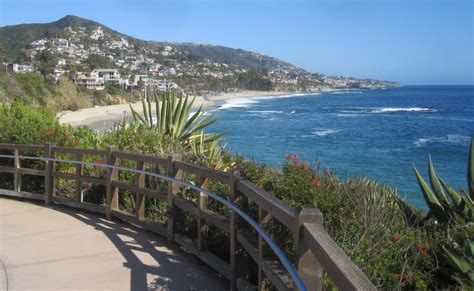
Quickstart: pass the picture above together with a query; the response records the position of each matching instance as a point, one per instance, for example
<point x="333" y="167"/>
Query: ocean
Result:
<point x="378" y="133"/>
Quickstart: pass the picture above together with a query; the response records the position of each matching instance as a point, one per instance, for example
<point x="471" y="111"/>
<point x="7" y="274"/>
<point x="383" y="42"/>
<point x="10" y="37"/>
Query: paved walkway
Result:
<point x="51" y="248"/>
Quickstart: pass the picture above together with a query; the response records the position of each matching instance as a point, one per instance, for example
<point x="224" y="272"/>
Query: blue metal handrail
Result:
<point x="278" y="252"/>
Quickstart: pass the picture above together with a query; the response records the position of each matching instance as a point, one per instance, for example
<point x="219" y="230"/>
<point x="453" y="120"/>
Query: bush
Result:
<point x="21" y="124"/>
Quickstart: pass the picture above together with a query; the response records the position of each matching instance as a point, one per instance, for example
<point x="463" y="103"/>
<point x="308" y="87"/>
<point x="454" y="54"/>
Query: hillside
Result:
<point x="79" y="44"/>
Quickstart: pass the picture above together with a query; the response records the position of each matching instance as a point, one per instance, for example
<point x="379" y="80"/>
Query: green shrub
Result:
<point x="21" y="124"/>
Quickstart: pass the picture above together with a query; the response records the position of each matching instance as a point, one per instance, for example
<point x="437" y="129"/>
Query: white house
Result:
<point x="23" y="68"/>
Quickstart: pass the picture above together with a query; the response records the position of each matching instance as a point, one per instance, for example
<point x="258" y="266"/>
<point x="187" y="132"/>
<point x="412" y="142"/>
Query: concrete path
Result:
<point x="51" y="248"/>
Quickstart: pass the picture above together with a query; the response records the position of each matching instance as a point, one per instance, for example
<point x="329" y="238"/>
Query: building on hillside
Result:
<point x="108" y="75"/>
<point x="58" y="72"/>
<point x="23" y="68"/>
<point x="97" y="33"/>
<point x="90" y="81"/>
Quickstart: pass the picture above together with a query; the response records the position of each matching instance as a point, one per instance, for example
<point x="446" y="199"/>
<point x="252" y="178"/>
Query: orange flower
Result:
<point x="395" y="238"/>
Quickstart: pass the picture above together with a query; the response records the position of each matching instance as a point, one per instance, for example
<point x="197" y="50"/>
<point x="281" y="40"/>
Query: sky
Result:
<point x="424" y="42"/>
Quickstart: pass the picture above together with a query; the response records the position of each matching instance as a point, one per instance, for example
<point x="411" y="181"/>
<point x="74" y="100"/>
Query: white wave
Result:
<point x="450" y="138"/>
<point x="350" y="114"/>
<point x="292" y="112"/>
<point x="265" y="111"/>
<point x="458" y="138"/>
<point x="238" y="103"/>
<point x="422" y="142"/>
<point x="402" y="109"/>
<point x="325" y="132"/>
<point x="346" y="92"/>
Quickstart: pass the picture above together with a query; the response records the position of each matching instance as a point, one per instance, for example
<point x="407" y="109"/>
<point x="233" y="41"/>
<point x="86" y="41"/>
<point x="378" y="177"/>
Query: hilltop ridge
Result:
<point x="79" y="44"/>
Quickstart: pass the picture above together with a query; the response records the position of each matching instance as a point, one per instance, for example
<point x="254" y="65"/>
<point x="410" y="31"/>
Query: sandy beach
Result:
<point x="104" y="117"/>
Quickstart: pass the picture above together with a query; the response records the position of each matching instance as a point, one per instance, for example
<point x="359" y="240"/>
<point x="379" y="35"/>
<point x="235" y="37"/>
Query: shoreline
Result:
<point x="104" y="117"/>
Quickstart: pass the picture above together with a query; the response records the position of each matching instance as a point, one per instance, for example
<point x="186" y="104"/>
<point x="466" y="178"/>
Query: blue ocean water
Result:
<point x="378" y="133"/>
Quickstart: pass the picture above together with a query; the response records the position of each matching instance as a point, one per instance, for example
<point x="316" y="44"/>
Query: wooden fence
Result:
<point x="314" y="249"/>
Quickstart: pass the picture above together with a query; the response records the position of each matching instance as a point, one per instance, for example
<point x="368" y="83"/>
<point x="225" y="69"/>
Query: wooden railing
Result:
<point x="314" y="249"/>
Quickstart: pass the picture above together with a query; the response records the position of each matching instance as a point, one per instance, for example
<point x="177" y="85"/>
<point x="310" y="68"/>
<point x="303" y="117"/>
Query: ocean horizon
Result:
<point x="378" y="133"/>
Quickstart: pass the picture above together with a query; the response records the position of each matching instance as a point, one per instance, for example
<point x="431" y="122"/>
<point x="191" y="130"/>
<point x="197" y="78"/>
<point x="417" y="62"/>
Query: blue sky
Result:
<point x="411" y="41"/>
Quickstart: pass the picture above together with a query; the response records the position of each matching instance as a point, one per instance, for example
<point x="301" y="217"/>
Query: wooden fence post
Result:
<point x="173" y="189"/>
<point x="17" y="174"/>
<point x="238" y="258"/>
<point x="48" y="173"/>
<point x="309" y="270"/>
<point x="140" y="199"/>
<point x="202" y="205"/>
<point x="112" y="175"/>
<point x="79" y="173"/>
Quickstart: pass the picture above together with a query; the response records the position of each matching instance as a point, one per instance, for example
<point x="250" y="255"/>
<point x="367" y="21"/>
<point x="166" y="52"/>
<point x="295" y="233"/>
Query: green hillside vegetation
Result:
<point x="33" y="89"/>
<point x="14" y="38"/>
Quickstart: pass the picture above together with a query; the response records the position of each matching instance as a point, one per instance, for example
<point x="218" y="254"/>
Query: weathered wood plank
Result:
<point x="142" y="158"/>
<point x="203" y="171"/>
<point x="173" y="190"/>
<point x="88" y="179"/>
<point x="186" y="205"/>
<point x="34" y="172"/>
<point x="76" y="204"/>
<point x="29" y="147"/>
<point x="140" y="198"/>
<point x="17" y="175"/>
<point x="277" y="208"/>
<point x="66" y="150"/>
<point x="25" y="195"/>
<point x="342" y="271"/>
<point x="112" y="192"/>
<point x="215" y="219"/>
<point x="7" y="146"/>
<point x="273" y="269"/>
<point x="4" y="169"/>
<point x="142" y="191"/>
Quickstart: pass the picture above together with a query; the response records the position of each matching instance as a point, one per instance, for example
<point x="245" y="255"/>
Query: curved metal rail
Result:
<point x="278" y="252"/>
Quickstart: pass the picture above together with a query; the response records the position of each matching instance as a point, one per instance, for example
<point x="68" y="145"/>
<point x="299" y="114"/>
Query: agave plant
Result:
<point x="174" y="122"/>
<point x="455" y="210"/>
<point x="172" y="118"/>
<point x="445" y="204"/>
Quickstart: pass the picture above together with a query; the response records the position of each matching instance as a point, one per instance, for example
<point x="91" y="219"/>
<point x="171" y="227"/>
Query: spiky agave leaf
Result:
<point x="457" y="262"/>
<point x="137" y="117"/>
<point x="412" y="217"/>
<point x="436" y="184"/>
<point x="433" y="203"/>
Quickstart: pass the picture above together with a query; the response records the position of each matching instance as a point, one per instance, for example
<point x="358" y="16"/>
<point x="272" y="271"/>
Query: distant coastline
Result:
<point x="104" y="117"/>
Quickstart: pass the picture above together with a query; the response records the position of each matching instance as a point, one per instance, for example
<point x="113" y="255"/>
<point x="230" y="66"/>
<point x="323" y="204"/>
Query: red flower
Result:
<point x="85" y="185"/>
<point x="395" y="238"/>
<point x="424" y="253"/>
<point x="401" y="277"/>
<point x="422" y="247"/>
<point x="315" y="182"/>
<point x="291" y="157"/>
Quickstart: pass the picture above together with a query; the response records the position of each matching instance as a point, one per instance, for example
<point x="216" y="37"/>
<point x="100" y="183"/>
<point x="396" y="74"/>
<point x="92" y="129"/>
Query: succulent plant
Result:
<point x="447" y="205"/>
<point x="455" y="210"/>
<point x="173" y="118"/>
